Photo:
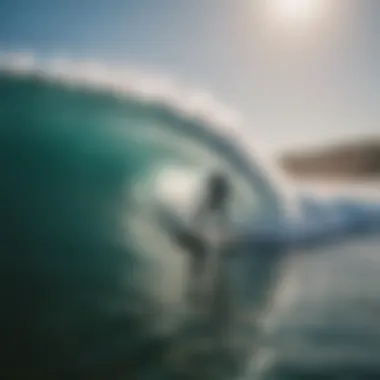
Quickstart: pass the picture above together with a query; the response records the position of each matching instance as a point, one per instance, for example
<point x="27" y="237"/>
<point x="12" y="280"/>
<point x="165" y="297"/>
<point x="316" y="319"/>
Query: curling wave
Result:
<point x="89" y="152"/>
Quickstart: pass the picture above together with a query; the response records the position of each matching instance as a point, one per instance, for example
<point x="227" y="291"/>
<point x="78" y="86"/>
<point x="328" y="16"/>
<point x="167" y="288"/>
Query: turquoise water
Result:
<point x="90" y="278"/>
<point x="93" y="288"/>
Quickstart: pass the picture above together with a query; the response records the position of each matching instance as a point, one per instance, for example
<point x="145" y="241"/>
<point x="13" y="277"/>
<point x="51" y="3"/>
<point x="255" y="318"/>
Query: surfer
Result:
<point x="207" y="229"/>
<point x="211" y="228"/>
<point x="207" y="245"/>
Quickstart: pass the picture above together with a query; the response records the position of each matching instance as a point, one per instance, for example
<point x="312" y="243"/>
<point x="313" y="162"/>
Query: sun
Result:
<point x="294" y="13"/>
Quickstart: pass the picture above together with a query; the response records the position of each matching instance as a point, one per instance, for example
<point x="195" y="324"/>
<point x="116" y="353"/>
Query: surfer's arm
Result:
<point x="188" y="240"/>
<point x="180" y="233"/>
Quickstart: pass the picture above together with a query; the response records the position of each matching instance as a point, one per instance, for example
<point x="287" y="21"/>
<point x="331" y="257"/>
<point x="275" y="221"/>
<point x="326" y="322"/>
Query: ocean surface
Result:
<point x="92" y="285"/>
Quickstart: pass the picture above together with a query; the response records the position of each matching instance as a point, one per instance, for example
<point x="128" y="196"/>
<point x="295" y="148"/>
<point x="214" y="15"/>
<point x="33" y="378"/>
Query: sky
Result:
<point x="295" y="80"/>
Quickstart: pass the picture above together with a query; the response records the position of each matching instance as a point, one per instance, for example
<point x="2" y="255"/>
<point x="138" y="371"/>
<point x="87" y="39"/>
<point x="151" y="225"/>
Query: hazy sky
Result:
<point x="294" y="79"/>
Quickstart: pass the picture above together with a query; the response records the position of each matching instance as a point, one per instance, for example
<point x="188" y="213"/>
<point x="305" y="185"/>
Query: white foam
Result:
<point x="125" y="81"/>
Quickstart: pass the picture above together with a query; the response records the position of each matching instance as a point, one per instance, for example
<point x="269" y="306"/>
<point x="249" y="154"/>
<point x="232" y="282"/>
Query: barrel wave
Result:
<point x="91" y="286"/>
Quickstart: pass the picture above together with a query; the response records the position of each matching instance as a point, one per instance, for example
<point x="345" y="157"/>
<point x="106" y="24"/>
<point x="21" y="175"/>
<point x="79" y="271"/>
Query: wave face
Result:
<point x="91" y="284"/>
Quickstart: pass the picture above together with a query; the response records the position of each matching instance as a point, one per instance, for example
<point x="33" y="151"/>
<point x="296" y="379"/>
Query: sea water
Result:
<point x="92" y="285"/>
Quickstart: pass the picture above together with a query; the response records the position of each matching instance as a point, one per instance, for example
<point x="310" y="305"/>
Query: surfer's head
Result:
<point x="218" y="189"/>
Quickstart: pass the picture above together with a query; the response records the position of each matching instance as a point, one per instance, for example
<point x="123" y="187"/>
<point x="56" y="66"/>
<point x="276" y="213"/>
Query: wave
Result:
<point x="90" y="151"/>
<point x="192" y="113"/>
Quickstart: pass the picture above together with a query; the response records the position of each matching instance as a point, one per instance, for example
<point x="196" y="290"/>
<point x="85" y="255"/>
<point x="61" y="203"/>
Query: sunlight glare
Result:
<point x="294" y="13"/>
